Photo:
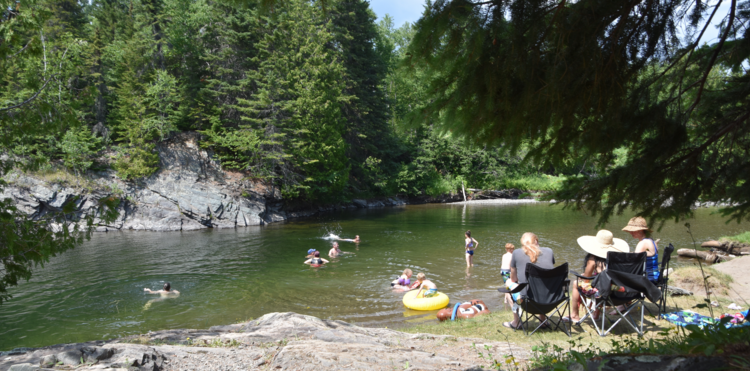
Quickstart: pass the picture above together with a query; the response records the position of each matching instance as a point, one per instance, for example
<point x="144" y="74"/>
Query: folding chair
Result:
<point x="663" y="281"/>
<point x="624" y="283"/>
<point x="547" y="293"/>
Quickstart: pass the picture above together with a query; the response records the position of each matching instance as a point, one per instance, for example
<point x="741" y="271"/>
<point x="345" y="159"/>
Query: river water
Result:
<point x="96" y="291"/>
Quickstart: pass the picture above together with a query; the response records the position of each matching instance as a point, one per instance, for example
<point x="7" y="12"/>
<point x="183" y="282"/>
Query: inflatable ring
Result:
<point x="436" y="302"/>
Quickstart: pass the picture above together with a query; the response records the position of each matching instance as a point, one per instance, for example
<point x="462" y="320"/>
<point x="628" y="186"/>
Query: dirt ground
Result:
<point x="740" y="289"/>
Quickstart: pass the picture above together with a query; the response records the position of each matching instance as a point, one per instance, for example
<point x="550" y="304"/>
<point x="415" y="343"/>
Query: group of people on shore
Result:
<point x="596" y="248"/>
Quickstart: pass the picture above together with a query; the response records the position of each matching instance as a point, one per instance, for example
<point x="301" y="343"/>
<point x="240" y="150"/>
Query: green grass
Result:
<point x="742" y="237"/>
<point x="552" y="349"/>
<point x="532" y="183"/>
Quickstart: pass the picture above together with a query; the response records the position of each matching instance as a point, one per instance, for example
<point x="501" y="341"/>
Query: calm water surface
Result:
<point x="96" y="291"/>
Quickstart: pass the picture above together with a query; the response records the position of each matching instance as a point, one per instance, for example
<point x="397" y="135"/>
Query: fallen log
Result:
<point x="711" y="244"/>
<point x="730" y="247"/>
<point x="709" y="256"/>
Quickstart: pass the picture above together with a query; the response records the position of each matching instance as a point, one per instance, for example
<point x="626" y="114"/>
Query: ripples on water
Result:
<point x="224" y="276"/>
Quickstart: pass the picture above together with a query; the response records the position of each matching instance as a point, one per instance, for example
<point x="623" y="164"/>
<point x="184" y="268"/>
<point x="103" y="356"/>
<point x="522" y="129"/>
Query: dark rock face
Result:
<point x="190" y="191"/>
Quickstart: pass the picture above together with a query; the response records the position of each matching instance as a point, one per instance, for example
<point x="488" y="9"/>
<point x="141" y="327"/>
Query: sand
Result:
<point x="739" y="290"/>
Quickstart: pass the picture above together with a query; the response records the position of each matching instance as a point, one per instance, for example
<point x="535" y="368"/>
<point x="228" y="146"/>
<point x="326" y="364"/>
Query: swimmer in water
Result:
<point x="355" y="240"/>
<point x="164" y="294"/>
<point x="310" y="253"/>
<point x="335" y="251"/>
<point x="316" y="260"/>
<point x="404" y="283"/>
<point x="167" y="290"/>
<point x="470" y="245"/>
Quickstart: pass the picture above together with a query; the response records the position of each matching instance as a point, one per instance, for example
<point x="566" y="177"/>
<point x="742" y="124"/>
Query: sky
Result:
<point x="400" y="10"/>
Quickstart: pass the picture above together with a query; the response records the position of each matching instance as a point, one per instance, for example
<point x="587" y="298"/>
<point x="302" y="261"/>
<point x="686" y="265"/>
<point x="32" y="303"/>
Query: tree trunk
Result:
<point x="708" y="256"/>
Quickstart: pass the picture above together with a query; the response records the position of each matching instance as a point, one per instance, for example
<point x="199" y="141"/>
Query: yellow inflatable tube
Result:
<point x="436" y="302"/>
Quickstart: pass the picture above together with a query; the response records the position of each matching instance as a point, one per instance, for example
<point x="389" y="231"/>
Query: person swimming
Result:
<point x="164" y="294"/>
<point x="316" y="260"/>
<point x="404" y="282"/>
<point x="167" y="290"/>
<point x="355" y="240"/>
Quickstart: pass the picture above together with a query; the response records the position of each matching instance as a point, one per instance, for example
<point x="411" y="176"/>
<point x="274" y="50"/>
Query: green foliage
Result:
<point x="659" y="122"/>
<point x="136" y="162"/>
<point x="742" y="237"/>
<point x="78" y="147"/>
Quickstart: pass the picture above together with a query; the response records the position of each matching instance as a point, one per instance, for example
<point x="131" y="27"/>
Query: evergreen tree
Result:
<point x="588" y="78"/>
<point x="369" y="138"/>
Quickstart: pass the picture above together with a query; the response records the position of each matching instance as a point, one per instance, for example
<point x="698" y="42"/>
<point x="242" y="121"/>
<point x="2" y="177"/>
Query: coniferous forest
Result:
<point x="316" y="98"/>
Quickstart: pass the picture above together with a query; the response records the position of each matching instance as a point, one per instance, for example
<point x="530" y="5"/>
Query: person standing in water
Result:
<point x="470" y="245"/>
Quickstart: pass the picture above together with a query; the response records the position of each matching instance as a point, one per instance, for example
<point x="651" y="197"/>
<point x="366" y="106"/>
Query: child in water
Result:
<point x="505" y="266"/>
<point x="403" y="282"/>
<point x="470" y="245"/>
<point x="426" y="287"/>
<point x="505" y="269"/>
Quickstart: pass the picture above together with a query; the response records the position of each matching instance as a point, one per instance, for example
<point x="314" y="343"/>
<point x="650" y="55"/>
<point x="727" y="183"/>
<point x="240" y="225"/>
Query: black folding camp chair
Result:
<point x="663" y="281"/>
<point x="622" y="283"/>
<point x="546" y="293"/>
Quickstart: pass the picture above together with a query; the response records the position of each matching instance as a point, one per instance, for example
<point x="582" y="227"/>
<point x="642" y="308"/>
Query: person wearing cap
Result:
<point x="640" y="231"/>
<point x="596" y="248"/>
<point x="310" y="253"/>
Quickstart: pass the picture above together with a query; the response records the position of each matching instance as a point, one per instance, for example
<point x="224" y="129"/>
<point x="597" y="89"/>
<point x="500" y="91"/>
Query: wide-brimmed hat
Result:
<point x="602" y="243"/>
<point x="637" y="224"/>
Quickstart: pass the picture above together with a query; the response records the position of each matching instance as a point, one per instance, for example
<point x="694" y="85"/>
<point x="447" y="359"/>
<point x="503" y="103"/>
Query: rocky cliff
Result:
<point x="189" y="191"/>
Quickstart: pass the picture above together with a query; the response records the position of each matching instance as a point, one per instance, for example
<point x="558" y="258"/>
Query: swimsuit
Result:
<point x="404" y="281"/>
<point x="469" y="245"/>
<point x="652" y="264"/>
<point x="316" y="261"/>
<point x="429" y="293"/>
<point x="505" y="274"/>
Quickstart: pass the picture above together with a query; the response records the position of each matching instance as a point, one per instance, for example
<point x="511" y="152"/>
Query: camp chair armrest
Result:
<point x="581" y="276"/>
<point x="518" y="288"/>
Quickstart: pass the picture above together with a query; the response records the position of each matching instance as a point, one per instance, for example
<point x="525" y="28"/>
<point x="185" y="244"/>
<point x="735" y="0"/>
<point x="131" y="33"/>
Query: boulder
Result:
<point x="48" y="361"/>
<point x="70" y="357"/>
<point x="360" y="203"/>
<point x="94" y="354"/>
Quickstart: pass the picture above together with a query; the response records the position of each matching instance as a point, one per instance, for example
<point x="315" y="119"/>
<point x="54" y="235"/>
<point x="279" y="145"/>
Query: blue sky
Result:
<point x="400" y="10"/>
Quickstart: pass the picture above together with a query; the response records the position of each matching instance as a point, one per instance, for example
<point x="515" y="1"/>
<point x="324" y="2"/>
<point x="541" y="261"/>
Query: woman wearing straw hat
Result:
<point x="640" y="231"/>
<point x="595" y="261"/>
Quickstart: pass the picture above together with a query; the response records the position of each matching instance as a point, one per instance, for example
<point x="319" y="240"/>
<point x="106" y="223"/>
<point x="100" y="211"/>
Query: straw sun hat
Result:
<point x="637" y="224"/>
<point x="602" y="243"/>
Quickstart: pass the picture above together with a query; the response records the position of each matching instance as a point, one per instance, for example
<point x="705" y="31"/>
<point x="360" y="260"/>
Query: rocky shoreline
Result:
<point x="190" y="191"/>
<point x="275" y="341"/>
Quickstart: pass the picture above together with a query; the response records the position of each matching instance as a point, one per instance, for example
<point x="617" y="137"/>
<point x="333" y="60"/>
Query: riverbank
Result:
<point x="286" y="341"/>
